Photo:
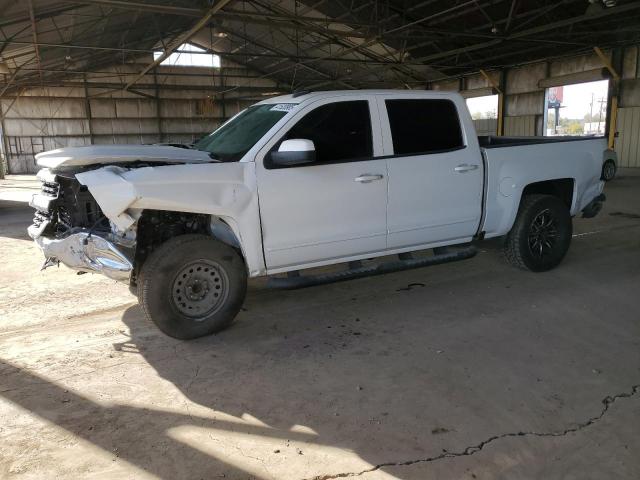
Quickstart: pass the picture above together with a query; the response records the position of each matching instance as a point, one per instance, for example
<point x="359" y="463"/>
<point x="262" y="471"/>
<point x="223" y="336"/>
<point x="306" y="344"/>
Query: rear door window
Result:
<point x="340" y="131"/>
<point x="423" y="126"/>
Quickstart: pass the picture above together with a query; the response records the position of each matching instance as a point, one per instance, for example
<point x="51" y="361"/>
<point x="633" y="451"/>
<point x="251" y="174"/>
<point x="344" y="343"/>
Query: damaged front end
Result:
<point x="70" y="228"/>
<point x="110" y="217"/>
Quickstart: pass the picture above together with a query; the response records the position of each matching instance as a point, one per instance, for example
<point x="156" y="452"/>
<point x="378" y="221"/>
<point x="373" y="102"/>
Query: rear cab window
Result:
<point x="423" y="126"/>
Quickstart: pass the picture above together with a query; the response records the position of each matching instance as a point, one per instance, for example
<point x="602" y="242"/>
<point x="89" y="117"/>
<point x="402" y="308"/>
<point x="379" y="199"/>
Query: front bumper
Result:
<point x="85" y="252"/>
<point x="78" y="247"/>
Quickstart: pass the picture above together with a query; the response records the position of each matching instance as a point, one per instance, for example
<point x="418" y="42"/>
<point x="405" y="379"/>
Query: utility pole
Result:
<point x="602" y="102"/>
<point x="591" y="113"/>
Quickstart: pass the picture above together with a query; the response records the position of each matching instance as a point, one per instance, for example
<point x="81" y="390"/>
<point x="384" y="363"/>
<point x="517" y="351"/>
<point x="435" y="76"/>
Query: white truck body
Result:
<point x="304" y="216"/>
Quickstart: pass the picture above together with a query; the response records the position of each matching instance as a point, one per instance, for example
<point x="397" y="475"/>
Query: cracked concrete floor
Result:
<point x="462" y="371"/>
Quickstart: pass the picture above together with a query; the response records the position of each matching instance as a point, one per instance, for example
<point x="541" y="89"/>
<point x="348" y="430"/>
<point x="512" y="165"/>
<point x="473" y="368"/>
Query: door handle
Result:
<point x="368" y="178"/>
<point x="465" y="168"/>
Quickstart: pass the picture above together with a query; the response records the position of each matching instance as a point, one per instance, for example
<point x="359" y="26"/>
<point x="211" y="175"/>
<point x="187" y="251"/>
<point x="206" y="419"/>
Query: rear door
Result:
<point x="435" y="171"/>
<point x="334" y="208"/>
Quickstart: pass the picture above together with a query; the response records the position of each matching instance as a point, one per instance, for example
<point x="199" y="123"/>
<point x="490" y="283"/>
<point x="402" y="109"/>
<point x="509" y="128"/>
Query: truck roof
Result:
<point x="301" y="97"/>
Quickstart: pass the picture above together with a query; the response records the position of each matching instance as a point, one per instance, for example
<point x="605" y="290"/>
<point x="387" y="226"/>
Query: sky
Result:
<point x="575" y="104"/>
<point x="577" y="99"/>
<point x="483" y="104"/>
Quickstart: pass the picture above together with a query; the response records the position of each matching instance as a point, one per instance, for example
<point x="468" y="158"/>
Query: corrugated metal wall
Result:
<point x="628" y="141"/>
<point x="520" y="126"/>
<point x="486" y="126"/>
<point x="46" y="118"/>
<point x="35" y="124"/>
<point x="183" y="110"/>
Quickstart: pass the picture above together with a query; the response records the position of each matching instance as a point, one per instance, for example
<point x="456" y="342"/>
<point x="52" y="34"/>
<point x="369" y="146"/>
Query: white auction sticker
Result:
<point x="282" y="107"/>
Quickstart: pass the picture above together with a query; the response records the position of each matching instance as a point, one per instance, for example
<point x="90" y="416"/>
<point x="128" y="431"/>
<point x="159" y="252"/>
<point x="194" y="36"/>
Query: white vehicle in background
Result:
<point x="303" y="181"/>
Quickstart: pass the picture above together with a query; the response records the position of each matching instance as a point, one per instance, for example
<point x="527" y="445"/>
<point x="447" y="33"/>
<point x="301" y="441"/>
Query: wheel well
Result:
<point x="561" y="188"/>
<point x="157" y="226"/>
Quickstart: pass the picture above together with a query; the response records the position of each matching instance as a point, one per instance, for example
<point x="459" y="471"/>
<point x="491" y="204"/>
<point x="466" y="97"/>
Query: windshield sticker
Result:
<point x="282" y="107"/>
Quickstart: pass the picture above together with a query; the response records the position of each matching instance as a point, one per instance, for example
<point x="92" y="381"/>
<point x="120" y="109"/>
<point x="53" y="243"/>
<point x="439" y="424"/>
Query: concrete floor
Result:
<point x="468" y="370"/>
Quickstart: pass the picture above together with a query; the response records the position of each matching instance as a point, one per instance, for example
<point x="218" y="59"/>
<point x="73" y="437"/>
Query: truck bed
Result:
<point x="511" y="163"/>
<point x="493" y="141"/>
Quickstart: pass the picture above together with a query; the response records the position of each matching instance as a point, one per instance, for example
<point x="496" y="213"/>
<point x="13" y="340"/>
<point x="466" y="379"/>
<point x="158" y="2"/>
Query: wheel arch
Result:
<point x="156" y="227"/>
<point x="539" y="245"/>
<point x="563" y="188"/>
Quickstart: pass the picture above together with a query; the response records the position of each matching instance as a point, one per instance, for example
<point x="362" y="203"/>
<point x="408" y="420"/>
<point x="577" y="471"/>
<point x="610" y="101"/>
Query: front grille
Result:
<point x="64" y="216"/>
<point x="41" y="217"/>
<point x="51" y="189"/>
<point x="69" y="205"/>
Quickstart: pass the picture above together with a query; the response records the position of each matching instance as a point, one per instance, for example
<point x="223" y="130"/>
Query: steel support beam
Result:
<point x="362" y="50"/>
<point x="200" y="24"/>
<point x="87" y="108"/>
<point x="498" y="88"/>
<point x="613" y="96"/>
<point x="144" y="86"/>
<point x="52" y="12"/>
<point x="141" y="6"/>
<point x="32" y="18"/>
<point x="535" y="30"/>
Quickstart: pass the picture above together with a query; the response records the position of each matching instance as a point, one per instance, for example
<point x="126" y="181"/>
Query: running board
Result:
<point x="291" y="282"/>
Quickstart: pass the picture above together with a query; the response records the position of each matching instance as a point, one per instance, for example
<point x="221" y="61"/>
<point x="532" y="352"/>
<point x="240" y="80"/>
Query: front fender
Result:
<point x="224" y="190"/>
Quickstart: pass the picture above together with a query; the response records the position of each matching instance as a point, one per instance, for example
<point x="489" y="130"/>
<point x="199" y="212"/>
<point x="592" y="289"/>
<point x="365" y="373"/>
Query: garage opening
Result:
<point x="578" y="109"/>
<point x="484" y="112"/>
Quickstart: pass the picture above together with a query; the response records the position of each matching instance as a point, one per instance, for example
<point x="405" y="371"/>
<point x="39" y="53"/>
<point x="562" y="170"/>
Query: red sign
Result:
<point x="556" y="94"/>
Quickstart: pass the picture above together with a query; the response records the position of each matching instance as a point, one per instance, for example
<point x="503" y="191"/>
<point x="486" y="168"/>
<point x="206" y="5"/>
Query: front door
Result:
<point x="335" y="208"/>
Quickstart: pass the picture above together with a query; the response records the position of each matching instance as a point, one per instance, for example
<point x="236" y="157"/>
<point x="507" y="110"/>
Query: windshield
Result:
<point x="230" y="142"/>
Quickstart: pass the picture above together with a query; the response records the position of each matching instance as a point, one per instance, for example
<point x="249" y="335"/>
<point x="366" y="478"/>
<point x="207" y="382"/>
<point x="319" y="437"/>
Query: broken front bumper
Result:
<point x="85" y="252"/>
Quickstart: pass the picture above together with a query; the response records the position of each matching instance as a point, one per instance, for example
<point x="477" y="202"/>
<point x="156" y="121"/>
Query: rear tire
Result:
<point x="608" y="170"/>
<point x="192" y="286"/>
<point x="541" y="234"/>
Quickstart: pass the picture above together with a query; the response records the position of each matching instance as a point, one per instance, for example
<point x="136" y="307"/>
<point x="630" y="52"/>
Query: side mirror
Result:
<point x="297" y="151"/>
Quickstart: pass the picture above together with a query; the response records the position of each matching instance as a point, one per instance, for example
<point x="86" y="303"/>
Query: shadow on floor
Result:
<point x="391" y="368"/>
<point x="16" y="217"/>
<point x="127" y="432"/>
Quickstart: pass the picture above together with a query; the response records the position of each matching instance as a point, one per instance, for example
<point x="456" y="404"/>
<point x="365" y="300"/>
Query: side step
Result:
<point x="404" y="263"/>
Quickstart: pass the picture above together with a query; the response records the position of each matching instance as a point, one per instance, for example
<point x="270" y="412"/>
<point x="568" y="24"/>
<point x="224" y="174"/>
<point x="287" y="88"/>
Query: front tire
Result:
<point x="541" y="234"/>
<point x="192" y="286"/>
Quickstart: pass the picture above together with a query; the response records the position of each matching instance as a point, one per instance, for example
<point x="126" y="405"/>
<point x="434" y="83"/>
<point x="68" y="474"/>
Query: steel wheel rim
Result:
<point x="543" y="234"/>
<point x="200" y="289"/>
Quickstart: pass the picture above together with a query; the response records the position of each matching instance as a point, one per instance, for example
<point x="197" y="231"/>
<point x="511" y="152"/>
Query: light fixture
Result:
<point x="221" y="34"/>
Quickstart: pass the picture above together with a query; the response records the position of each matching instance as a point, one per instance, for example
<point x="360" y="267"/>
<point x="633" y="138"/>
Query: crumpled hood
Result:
<point x="110" y="154"/>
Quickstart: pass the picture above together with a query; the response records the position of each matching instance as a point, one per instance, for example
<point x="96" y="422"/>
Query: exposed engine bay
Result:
<point x="71" y="228"/>
<point x="104" y="209"/>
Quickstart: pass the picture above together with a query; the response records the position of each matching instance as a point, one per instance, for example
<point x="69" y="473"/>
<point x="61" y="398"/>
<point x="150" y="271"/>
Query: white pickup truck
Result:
<point x="303" y="181"/>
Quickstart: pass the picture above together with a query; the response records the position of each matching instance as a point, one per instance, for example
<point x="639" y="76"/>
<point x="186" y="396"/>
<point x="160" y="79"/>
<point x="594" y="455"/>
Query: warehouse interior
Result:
<point x="90" y="72"/>
<point x="469" y="370"/>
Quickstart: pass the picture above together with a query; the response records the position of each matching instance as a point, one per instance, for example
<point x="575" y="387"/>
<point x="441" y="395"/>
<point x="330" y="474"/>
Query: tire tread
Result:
<point x="150" y="270"/>
<point x="512" y="246"/>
